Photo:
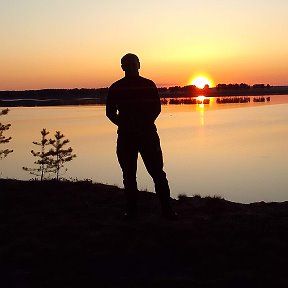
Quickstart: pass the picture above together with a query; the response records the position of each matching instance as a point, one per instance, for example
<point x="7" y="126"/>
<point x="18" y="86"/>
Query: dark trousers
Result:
<point x="148" y="145"/>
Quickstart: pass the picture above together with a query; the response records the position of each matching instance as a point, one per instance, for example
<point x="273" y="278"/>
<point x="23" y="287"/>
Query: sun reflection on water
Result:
<point x="201" y="101"/>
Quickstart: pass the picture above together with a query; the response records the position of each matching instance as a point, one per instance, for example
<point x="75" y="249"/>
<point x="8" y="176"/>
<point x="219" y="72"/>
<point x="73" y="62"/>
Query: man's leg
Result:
<point x="150" y="150"/>
<point x="127" y="153"/>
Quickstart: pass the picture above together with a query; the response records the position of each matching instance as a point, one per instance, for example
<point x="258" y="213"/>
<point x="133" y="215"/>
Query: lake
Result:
<point x="236" y="151"/>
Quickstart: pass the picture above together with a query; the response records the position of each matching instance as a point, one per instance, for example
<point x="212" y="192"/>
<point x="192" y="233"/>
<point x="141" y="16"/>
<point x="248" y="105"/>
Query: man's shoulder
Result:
<point x="141" y="81"/>
<point x="147" y="81"/>
<point x="117" y="83"/>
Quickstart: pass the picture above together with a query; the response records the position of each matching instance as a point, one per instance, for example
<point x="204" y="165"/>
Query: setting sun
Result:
<point x="201" y="81"/>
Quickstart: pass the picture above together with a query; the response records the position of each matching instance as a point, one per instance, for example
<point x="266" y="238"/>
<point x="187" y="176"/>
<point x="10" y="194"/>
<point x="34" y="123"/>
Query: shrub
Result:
<point x="3" y="140"/>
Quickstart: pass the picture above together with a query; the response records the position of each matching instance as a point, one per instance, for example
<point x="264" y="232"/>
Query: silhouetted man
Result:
<point x="133" y="104"/>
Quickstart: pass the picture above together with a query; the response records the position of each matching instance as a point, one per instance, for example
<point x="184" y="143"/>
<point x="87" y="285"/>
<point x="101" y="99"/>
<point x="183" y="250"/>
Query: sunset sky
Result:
<point x="79" y="43"/>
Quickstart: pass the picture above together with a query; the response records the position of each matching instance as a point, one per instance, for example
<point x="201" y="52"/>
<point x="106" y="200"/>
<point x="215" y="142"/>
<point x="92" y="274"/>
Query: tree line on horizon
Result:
<point x="193" y="90"/>
<point x="88" y="92"/>
<point x="86" y="96"/>
<point x="54" y="93"/>
<point x="241" y="86"/>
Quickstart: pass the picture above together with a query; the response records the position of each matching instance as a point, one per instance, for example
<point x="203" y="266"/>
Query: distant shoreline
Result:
<point x="61" y="97"/>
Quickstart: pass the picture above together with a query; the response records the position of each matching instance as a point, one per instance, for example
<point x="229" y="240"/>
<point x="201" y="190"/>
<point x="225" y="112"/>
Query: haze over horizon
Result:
<point x="75" y="44"/>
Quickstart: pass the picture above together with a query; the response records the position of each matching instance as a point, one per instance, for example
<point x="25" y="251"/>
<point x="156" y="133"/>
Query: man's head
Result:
<point x="130" y="64"/>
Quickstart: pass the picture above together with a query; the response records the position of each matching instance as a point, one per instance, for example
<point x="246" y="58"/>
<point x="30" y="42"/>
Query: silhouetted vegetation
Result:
<point x="241" y="86"/>
<point x="233" y="86"/>
<point x="64" y="234"/>
<point x="235" y="89"/>
<point x="59" y="153"/>
<point x="240" y="99"/>
<point x="45" y="162"/>
<point x="186" y="91"/>
<point x="178" y="101"/>
<point x="244" y="89"/>
<point x="53" y="97"/>
<point x="261" y="99"/>
<point x="53" y="160"/>
<point x="237" y="99"/>
<point x="3" y="139"/>
<point x="83" y="96"/>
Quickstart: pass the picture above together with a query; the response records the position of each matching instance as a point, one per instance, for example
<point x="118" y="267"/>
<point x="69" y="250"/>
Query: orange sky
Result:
<point x="75" y="43"/>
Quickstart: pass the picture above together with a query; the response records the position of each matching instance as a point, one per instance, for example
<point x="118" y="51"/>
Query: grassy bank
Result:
<point x="64" y="234"/>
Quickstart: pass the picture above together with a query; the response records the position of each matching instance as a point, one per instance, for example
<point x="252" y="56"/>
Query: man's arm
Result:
<point x="156" y="104"/>
<point x="111" y="108"/>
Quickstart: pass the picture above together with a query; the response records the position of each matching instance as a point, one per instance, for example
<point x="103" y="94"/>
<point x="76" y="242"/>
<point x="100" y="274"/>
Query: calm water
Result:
<point x="237" y="151"/>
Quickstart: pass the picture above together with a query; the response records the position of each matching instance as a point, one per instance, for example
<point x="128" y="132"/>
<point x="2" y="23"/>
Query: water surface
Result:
<point x="237" y="151"/>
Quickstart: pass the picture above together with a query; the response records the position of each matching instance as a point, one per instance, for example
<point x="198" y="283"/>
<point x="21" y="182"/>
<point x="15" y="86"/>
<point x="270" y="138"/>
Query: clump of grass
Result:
<point x="182" y="196"/>
<point x="216" y="197"/>
<point x="75" y="179"/>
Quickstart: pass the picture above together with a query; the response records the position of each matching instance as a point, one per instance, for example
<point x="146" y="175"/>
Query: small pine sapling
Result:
<point x="44" y="163"/>
<point x="59" y="153"/>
